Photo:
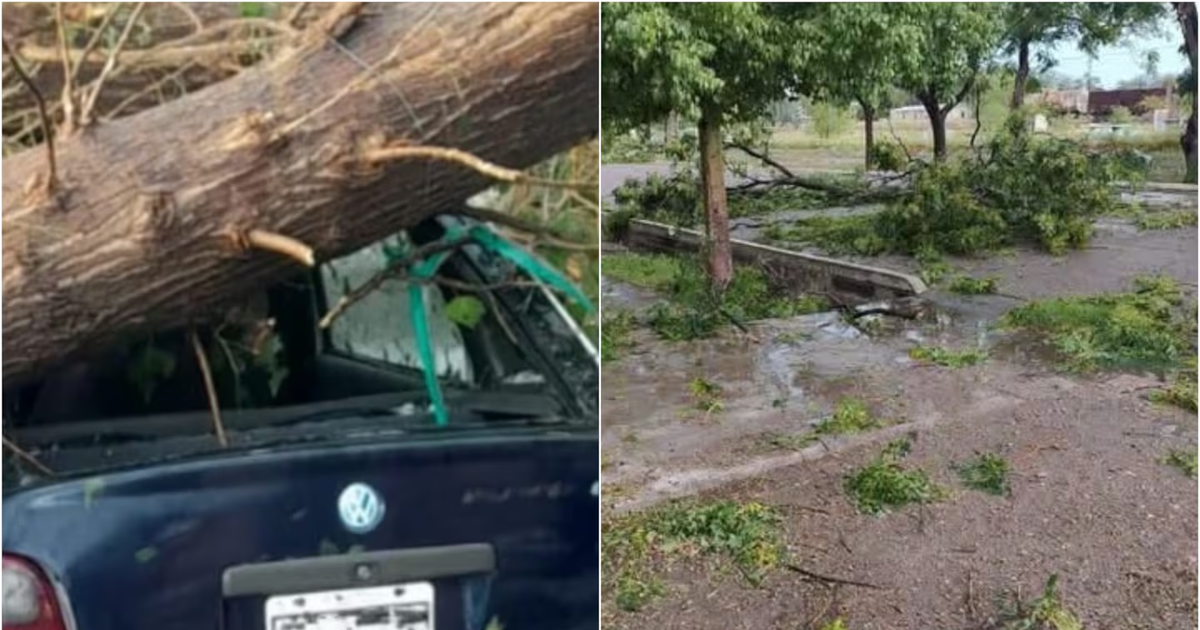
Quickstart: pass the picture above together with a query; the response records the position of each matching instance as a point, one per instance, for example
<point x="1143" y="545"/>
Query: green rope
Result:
<point x="426" y="269"/>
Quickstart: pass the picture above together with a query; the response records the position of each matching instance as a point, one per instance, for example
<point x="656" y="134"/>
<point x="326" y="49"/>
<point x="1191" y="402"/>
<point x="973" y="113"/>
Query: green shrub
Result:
<point x="888" y="156"/>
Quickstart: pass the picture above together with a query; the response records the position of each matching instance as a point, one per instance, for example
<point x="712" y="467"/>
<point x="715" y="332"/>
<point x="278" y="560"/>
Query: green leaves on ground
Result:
<point x="944" y="357"/>
<point x="987" y="472"/>
<point x="1142" y="329"/>
<point x="636" y="546"/>
<point x="885" y="483"/>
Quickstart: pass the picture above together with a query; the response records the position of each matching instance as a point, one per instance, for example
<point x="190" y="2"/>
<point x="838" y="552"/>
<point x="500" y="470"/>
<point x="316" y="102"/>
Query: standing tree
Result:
<point x="1185" y="12"/>
<point x="954" y="41"/>
<point x="858" y="52"/>
<point x="1046" y="24"/>
<point x="718" y="63"/>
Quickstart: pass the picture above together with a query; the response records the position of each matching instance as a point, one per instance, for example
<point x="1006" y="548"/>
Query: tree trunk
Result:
<point x="716" y="204"/>
<point x="672" y="127"/>
<point x="868" y="132"/>
<point x="937" y="120"/>
<point x="1018" y="95"/>
<point x="136" y="233"/>
<point x="1186" y="13"/>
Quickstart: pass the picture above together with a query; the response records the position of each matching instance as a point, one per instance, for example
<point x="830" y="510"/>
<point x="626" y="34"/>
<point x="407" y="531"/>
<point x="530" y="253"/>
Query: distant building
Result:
<point x="917" y="112"/>
<point x="1101" y="103"/>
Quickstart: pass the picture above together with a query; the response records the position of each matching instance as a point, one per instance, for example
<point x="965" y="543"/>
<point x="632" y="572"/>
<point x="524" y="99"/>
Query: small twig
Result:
<point x="26" y="457"/>
<point x="47" y="128"/>
<point x="521" y="225"/>
<point x="471" y="161"/>
<point x="828" y="579"/>
<point x="397" y="270"/>
<point x="293" y="18"/>
<point x="213" y="404"/>
<point x="896" y="137"/>
<point x="119" y="107"/>
<point x="68" y="93"/>
<point x="98" y="84"/>
<point x="182" y="7"/>
<point x="764" y="158"/>
<point x="276" y="243"/>
<point x="824" y="609"/>
<point x="95" y="41"/>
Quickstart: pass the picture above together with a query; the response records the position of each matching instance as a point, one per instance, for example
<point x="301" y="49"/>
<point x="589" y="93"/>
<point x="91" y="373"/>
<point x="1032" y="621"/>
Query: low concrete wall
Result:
<point x="791" y="271"/>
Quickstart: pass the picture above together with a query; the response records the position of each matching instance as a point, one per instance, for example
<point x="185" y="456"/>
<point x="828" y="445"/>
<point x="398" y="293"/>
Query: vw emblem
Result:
<point x="361" y="508"/>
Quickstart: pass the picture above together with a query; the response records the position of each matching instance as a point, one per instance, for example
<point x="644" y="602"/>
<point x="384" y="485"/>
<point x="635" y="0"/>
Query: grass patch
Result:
<point x="1047" y="612"/>
<point x="1185" y="461"/>
<point x="966" y="285"/>
<point x="745" y="534"/>
<point x="695" y="311"/>
<point x="944" y="357"/>
<point x="1141" y="329"/>
<point x="884" y="483"/>
<point x="615" y="330"/>
<point x="651" y="271"/>
<point x="988" y="473"/>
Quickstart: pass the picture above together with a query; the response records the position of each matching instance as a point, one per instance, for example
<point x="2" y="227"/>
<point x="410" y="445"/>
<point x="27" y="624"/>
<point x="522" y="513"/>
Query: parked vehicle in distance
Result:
<point x="338" y="503"/>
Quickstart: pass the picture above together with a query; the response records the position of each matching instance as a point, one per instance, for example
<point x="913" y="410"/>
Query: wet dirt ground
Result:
<point x="1091" y="500"/>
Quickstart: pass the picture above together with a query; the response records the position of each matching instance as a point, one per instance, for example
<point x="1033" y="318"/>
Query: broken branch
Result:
<point x="86" y="113"/>
<point x="210" y="389"/>
<point x="277" y="243"/>
<point x="826" y="578"/>
<point x="471" y="161"/>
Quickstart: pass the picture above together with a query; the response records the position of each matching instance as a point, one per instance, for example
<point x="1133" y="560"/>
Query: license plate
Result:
<point x="397" y="607"/>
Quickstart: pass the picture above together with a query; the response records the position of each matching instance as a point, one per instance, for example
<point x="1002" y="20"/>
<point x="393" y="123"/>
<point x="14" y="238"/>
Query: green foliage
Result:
<point x="1047" y="612"/>
<point x="149" y="367"/>
<point x="884" y="483"/>
<point x="466" y="311"/>
<point x="662" y="57"/>
<point x="1182" y="392"/>
<point x="615" y="330"/>
<point x="947" y="358"/>
<point x="988" y="472"/>
<point x="252" y="9"/>
<point x="966" y="285"/>
<point x="1185" y="461"/>
<point x="707" y="395"/>
<point x="1170" y="220"/>
<point x="1120" y="115"/>
<point x="635" y="546"/>
<point x="888" y="156"/>
<point x="1142" y="329"/>
<point x="674" y="199"/>
<point x="827" y="119"/>
<point x="652" y="271"/>
<point x="695" y="311"/>
<point x="849" y="416"/>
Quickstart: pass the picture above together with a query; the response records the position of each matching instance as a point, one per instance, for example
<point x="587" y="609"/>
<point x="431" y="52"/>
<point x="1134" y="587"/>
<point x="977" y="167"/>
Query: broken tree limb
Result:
<point x="136" y="237"/>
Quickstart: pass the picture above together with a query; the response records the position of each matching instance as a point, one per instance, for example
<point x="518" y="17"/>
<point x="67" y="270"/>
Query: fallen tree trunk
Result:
<point x="142" y="223"/>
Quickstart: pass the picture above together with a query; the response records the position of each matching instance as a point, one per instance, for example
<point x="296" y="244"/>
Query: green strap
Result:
<point x="427" y="268"/>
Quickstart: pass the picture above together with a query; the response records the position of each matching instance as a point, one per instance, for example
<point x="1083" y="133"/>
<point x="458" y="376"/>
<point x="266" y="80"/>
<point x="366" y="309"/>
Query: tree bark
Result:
<point x="135" y="233"/>
<point x="1018" y="95"/>
<point x="937" y="121"/>
<point x="868" y="132"/>
<point x="716" y="204"/>
<point x="1186" y="14"/>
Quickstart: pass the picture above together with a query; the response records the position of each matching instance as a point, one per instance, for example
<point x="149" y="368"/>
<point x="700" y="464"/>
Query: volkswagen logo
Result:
<point x="361" y="508"/>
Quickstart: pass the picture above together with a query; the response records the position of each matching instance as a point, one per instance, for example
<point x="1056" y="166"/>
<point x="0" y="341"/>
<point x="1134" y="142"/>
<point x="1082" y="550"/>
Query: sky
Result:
<point x="1118" y="63"/>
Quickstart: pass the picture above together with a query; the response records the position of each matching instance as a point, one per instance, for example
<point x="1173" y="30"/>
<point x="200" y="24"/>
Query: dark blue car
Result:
<point x="338" y="503"/>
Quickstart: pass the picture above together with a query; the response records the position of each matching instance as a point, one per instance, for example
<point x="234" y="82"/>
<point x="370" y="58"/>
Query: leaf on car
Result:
<point x="92" y="489"/>
<point x="466" y="310"/>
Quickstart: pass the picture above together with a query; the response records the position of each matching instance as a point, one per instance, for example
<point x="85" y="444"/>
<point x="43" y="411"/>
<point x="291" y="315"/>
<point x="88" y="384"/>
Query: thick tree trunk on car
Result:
<point x="716" y="203"/>
<point x="1018" y="95"/>
<point x="136" y="233"/>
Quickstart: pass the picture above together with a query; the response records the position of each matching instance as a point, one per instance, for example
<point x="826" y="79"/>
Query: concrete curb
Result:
<point x="797" y="271"/>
